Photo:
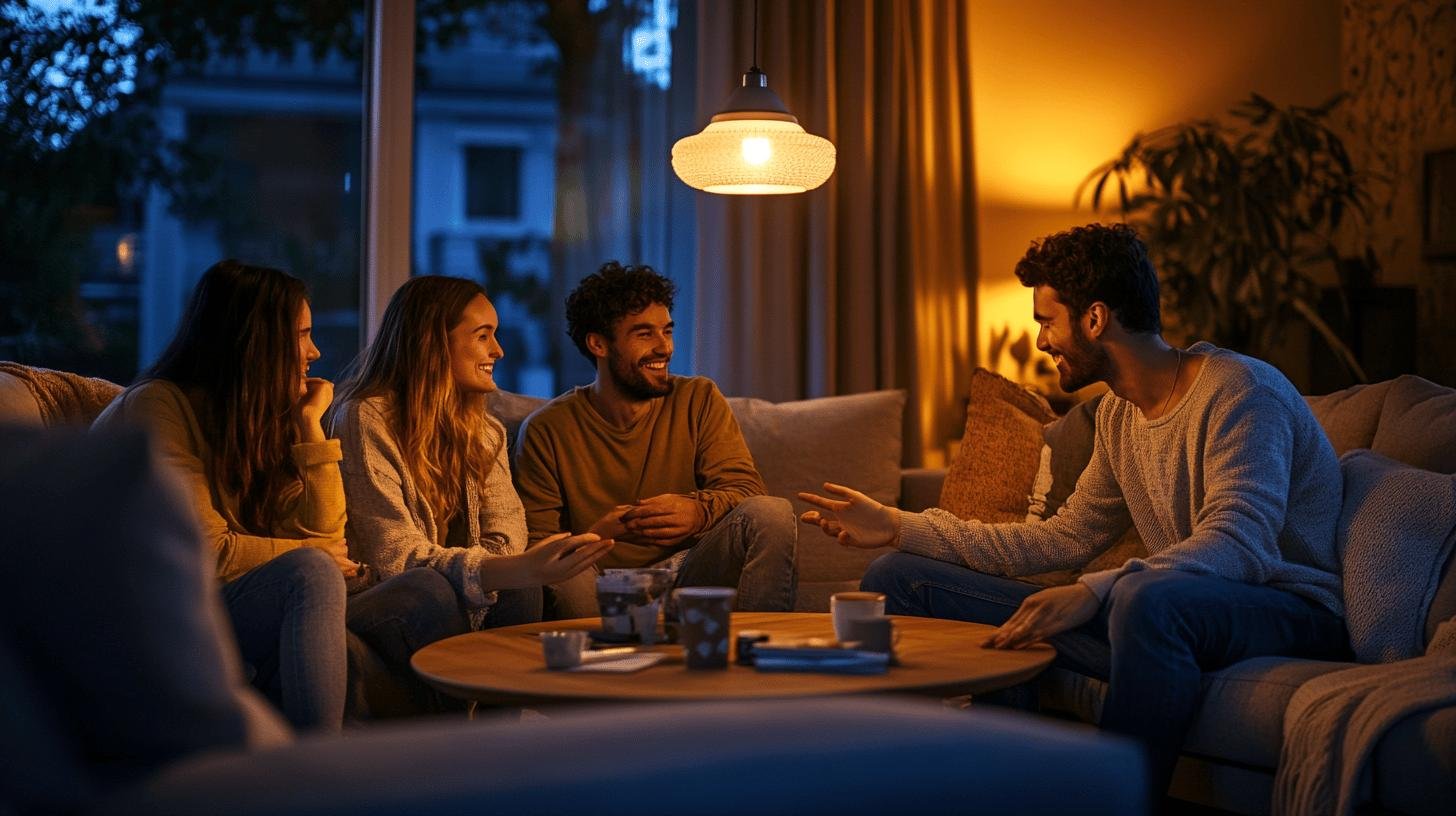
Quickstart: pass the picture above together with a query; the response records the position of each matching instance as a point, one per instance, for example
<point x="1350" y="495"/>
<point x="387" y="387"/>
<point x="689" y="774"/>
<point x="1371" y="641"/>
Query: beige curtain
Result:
<point x="869" y="281"/>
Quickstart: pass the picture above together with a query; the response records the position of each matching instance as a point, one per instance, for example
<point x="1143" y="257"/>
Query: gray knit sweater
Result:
<point x="1237" y="480"/>
<point x="392" y="528"/>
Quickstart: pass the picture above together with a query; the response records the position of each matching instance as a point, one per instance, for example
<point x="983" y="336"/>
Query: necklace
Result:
<point x="1174" y="386"/>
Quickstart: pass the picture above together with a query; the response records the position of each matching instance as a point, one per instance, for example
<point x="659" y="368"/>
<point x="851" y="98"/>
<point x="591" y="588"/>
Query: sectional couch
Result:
<point x="1019" y="461"/>
<point x="1026" y="463"/>
<point x="121" y="693"/>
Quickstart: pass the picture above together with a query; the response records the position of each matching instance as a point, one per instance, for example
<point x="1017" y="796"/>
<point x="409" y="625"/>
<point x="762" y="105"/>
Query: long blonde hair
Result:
<point x="444" y="437"/>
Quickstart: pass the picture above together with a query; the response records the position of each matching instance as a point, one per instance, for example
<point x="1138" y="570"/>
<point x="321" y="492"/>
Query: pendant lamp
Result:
<point x="753" y="146"/>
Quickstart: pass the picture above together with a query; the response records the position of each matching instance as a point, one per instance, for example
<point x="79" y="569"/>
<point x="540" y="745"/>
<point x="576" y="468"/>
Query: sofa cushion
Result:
<point x="1418" y="424"/>
<point x="17" y="405"/>
<point x="1409" y="419"/>
<point x="114" y="612"/>
<point x="1350" y="417"/>
<point x="511" y="409"/>
<point x="853" y="440"/>
<point x="1242" y="716"/>
<point x="1067" y="448"/>
<point x="993" y="473"/>
<point x="60" y="397"/>
<point x="1415" y="764"/>
<point x="1395" y="533"/>
<point x="843" y="755"/>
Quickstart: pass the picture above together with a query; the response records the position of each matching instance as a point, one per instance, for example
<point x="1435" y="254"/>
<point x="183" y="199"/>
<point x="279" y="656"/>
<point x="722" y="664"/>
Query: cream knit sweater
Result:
<point x="393" y="529"/>
<point x="1237" y="480"/>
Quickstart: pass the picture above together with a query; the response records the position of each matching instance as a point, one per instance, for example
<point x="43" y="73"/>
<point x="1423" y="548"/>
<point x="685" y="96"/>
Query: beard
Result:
<point x="1086" y="362"/>
<point x="631" y="379"/>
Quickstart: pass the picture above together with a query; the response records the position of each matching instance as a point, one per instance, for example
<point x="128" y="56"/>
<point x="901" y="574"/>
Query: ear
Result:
<point x="1096" y="319"/>
<point x="596" y="344"/>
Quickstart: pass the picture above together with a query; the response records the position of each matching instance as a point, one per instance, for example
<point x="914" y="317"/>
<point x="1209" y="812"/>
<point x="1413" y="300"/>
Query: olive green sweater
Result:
<point x="572" y="466"/>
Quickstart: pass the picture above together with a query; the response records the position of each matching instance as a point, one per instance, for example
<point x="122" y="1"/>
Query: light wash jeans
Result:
<point x="1155" y="636"/>
<point x="288" y="617"/>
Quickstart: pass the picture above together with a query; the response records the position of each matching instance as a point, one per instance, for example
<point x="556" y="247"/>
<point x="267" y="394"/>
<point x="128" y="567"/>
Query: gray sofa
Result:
<point x="121" y="694"/>
<point x="1233" y="750"/>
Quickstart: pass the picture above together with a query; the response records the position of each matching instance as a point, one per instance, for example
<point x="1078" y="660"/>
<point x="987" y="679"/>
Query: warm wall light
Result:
<point x="753" y="146"/>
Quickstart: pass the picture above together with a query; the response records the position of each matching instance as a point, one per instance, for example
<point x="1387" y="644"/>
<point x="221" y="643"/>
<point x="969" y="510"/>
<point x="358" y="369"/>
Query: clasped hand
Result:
<point x="662" y="521"/>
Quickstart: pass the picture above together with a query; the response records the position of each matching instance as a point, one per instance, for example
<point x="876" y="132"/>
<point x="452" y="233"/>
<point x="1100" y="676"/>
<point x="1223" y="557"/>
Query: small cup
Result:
<point x="563" y="649"/>
<point x="848" y="606"/>
<point x="874" y="634"/>
<point x="706" y="613"/>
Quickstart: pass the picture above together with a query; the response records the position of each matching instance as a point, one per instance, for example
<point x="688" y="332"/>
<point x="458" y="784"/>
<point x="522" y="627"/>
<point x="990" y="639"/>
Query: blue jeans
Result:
<point x="288" y="618"/>
<point x="1155" y="636"/>
<point x="389" y="622"/>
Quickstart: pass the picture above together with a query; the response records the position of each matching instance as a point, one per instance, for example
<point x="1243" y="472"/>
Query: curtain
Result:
<point x="616" y="197"/>
<point x="869" y="281"/>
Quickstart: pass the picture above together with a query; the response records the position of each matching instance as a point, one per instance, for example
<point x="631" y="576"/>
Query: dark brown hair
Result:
<point x="603" y="298"/>
<point x="237" y="345"/>
<point x="1097" y="262"/>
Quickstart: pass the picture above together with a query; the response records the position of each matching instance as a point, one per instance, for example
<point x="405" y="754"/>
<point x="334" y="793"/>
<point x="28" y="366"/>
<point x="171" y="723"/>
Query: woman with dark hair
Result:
<point x="425" y="464"/>
<point x="233" y="411"/>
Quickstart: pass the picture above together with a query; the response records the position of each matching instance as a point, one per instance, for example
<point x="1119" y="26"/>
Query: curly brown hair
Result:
<point x="603" y="298"/>
<point x="1097" y="262"/>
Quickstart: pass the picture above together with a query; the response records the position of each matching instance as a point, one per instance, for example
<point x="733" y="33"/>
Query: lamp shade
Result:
<point x="753" y="147"/>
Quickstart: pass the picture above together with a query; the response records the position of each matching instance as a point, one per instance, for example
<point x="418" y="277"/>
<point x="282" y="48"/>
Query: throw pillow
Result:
<point x="1349" y="417"/>
<point x="992" y="475"/>
<point x="853" y="440"/>
<point x="113" y="612"/>
<point x="1068" y="449"/>
<point x="1418" y="424"/>
<point x="1396" y="530"/>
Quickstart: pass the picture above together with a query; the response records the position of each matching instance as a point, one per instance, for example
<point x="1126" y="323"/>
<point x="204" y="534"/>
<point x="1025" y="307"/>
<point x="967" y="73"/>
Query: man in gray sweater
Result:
<point x="1211" y="455"/>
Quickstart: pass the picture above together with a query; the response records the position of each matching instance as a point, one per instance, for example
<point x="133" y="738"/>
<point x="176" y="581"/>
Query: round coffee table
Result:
<point x="937" y="657"/>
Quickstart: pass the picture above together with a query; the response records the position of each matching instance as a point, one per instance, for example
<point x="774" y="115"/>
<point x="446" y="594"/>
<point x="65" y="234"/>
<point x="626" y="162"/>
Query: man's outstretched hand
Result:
<point x="1049" y="612"/>
<point x="853" y="518"/>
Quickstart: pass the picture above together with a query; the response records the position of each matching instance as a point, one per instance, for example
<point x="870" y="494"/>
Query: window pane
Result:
<point x="160" y="139"/>
<point x="492" y="182"/>
<point x="541" y="151"/>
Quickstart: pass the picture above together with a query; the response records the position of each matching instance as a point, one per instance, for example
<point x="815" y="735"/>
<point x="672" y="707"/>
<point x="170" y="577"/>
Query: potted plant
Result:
<point x="1239" y="219"/>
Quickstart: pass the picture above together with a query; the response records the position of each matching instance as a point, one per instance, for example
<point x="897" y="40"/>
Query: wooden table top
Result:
<point x="940" y="657"/>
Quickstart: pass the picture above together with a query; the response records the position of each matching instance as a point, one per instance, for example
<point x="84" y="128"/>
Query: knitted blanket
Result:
<point x="1335" y="721"/>
<point x="64" y="398"/>
<point x="1396" y="531"/>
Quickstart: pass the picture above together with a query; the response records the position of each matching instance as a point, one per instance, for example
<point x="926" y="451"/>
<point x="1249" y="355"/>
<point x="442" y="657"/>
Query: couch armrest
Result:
<point x="823" y="755"/>
<point x="920" y="488"/>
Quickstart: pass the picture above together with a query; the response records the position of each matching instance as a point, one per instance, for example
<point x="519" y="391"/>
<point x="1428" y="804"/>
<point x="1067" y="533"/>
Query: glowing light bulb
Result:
<point x="757" y="150"/>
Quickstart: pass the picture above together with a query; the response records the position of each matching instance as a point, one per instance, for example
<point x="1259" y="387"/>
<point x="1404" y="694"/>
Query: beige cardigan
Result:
<point x="313" y="508"/>
<point x="392" y="527"/>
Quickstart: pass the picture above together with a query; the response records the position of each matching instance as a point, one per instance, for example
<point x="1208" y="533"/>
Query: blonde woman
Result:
<point x="425" y="465"/>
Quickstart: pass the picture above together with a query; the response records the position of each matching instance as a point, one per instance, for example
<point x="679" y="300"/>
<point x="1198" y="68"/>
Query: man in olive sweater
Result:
<point x="649" y="459"/>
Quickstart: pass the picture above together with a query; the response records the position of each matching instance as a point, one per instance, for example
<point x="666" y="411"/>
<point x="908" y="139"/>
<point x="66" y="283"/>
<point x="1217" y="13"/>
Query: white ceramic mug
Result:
<point x="563" y="649"/>
<point x="848" y="606"/>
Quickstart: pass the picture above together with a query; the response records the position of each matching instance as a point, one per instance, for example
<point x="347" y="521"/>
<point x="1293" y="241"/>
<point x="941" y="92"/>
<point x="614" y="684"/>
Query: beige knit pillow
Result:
<point x="992" y="475"/>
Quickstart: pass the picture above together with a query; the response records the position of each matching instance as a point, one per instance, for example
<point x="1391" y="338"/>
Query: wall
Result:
<point x="1399" y="67"/>
<point x="1059" y="87"/>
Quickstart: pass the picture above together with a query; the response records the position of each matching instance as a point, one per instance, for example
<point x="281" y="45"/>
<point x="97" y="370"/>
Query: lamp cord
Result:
<point x="755" y="35"/>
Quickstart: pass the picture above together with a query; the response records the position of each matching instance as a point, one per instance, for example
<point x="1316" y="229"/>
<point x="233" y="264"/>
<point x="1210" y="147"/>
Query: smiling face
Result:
<point x="1080" y="360"/>
<point x="474" y="349"/>
<point x="638" y="352"/>
<point x="307" y="351"/>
